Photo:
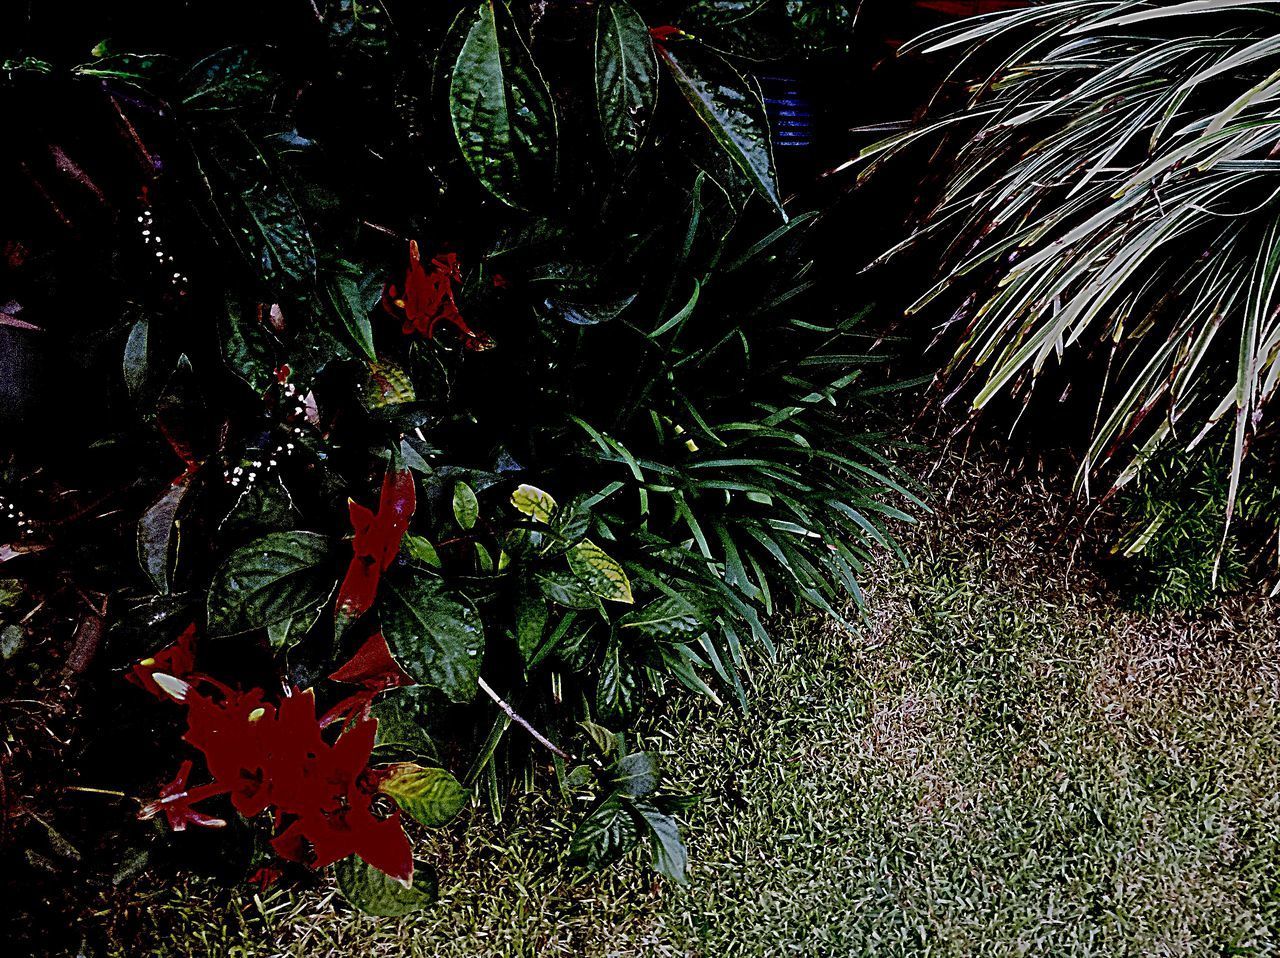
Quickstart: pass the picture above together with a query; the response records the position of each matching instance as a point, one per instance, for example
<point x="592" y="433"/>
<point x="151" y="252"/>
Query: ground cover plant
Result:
<point x="1008" y="760"/>
<point x="1107" y="204"/>
<point x="455" y="384"/>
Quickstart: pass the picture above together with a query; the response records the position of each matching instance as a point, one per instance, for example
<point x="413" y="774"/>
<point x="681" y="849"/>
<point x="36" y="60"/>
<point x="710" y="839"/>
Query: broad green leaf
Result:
<point x="466" y="508"/>
<point x="531" y="622"/>
<point x="248" y="349"/>
<point x="226" y="80"/>
<point x="262" y="215"/>
<point x="603" y="575"/>
<point x="626" y="77"/>
<point x="268" y="581"/>
<point x="158" y="536"/>
<point x="731" y="109"/>
<point x="437" y="639"/>
<point x="354" y="296"/>
<point x="430" y="796"/>
<point x="564" y="588"/>
<point x="501" y="110"/>
<point x="420" y="550"/>
<point x="286" y="633"/>
<point x="136" y="354"/>
<point x="670" y="859"/>
<point x="378" y="894"/>
<point x="616" y="687"/>
<point x="398" y="732"/>
<point x="533" y="502"/>
<point x="604" y="836"/>
<point x="669" y="619"/>
<point x="636" y="774"/>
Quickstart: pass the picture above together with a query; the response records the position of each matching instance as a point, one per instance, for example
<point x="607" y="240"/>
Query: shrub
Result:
<point x="596" y="426"/>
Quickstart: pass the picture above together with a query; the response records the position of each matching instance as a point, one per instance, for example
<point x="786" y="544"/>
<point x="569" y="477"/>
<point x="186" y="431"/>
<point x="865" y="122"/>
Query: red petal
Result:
<point x="373" y="667"/>
<point x="178" y="660"/>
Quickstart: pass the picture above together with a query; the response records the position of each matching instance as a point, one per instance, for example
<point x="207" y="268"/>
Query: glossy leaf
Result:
<point x="136" y="356"/>
<point x="626" y="77"/>
<point x="605" y="835"/>
<point x="603" y="574"/>
<point x="375" y="893"/>
<point x="270" y="580"/>
<point x="420" y="550"/>
<point x="158" y="535"/>
<point x="466" y="508"/>
<point x="436" y="638"/>
<point x="501" y="110"/>
<point x="670" y="858"/>
<point x="533" y="502"/>
<point x="669" y="619"/>
<point x="430" y="796"/>
<point x="731" y="110"/>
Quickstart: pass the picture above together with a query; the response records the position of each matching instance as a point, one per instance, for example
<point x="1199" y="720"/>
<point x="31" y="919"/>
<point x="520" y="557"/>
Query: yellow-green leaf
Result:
<point x="533" y="502"/>
<point x="601" y="573"/>
<point x="430" y="796"/>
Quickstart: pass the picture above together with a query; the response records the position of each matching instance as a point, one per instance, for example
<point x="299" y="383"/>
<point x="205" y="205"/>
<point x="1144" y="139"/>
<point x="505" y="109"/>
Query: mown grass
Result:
<point x="1003" y="762"/>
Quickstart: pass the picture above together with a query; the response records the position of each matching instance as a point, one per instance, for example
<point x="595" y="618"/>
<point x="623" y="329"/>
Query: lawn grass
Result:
<point x="1003" y="762"/>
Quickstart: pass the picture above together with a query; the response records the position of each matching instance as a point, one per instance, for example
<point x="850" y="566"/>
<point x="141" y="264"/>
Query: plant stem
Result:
<point x="519" y="720"/>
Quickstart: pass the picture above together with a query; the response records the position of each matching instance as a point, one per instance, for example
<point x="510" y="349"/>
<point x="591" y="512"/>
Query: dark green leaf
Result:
<point x="605" y="835"/>
<point x="731" y="110"/>
<point x="626" y="77"/>
<point x="670" y="858"/>
<point x="437" y="639"/>
<point x="501" y="109"/>
<point x="669" y="619"/>
<point x="158" y="536"/>
<point x="564" y="588"/>
<point x="374" y="893"/>
<point x="270" y="580"/>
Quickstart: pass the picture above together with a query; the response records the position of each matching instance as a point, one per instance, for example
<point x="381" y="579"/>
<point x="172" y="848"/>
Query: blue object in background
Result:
<point x="790" y="113"/>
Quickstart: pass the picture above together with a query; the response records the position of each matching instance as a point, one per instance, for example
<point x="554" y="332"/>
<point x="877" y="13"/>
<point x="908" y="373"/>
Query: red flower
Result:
<point x="338" y="820"/>
<point x="177" y="660"/>
<point x="235" y="733"/>
<point x="666" y="34"/>
<point x="425" y="299"/>
<point x="376" y="542"/>
<point x="372" y="668"/>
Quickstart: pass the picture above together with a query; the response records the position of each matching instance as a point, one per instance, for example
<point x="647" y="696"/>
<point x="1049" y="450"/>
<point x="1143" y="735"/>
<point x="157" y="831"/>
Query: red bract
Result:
<point x="425" y="299"/>
<point x="376" y="542"/>
<point x="372" y="668"/>
<point x="177" y="660"/>
<point x="175" y="803"/>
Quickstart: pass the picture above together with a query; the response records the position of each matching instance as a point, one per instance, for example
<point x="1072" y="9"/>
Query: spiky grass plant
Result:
<point x="1111" y="187"/>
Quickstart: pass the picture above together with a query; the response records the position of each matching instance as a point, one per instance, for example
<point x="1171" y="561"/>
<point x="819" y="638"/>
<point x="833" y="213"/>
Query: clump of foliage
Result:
<point x="1172" y="544"/>
<point x="473" y="336"/>
<point x="1107" y="191"/>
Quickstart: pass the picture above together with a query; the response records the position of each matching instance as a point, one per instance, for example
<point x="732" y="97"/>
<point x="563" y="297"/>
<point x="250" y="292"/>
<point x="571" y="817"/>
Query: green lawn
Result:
<point x="1002" y="763"/>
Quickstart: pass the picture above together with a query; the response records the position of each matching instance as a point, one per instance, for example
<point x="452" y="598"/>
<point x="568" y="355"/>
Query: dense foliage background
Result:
<point x="531" y="272"/>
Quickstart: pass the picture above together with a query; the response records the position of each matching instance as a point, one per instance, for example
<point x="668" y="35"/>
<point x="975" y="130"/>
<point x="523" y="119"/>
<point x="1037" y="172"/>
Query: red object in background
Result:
<point x="377" y="540"/>
<point x="425" y="299"/>
<point x="273" y="756"/>
<point x="970" y="8"/>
